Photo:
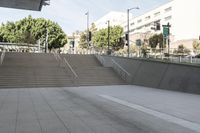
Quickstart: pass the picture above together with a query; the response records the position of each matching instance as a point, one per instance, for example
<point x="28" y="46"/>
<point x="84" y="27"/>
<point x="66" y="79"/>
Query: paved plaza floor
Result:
<point x="102" y="109"/>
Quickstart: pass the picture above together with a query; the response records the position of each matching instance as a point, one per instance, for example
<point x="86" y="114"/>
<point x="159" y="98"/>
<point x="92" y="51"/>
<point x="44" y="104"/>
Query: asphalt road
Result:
<point x="108" y="109"/>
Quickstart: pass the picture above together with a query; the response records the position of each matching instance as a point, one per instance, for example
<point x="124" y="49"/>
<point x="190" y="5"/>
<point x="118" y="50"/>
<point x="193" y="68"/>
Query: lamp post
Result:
<point x="108" y="36"/>
<point x="46" y="41"/>
<point x="88" y="42"/>
<point x="128" y="40"/>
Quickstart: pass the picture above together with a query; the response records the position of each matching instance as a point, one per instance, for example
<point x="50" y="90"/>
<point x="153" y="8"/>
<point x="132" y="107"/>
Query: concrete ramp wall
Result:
<point x="162" y="75"/>
<point x="181" y="78"/>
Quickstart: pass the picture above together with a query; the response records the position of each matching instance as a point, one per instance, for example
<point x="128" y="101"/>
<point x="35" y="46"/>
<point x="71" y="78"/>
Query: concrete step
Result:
<point x="22" y="70"/>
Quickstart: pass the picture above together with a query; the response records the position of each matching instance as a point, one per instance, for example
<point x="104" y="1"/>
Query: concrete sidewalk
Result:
<point x="84" y="110"/>
<point x="182" y="105"/>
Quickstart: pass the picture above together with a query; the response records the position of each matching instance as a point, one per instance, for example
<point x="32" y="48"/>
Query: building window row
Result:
<point x="155" y="15"/>
<point x="132" y="24"/>
<point x="168" y="9"/>
<point x="139" y="21"/>
<point x="147" y="17"/>
<point x="168" y="18"/>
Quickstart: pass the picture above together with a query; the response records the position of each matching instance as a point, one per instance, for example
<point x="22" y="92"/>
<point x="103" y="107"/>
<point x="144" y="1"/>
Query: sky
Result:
<point x="70" y="14"/>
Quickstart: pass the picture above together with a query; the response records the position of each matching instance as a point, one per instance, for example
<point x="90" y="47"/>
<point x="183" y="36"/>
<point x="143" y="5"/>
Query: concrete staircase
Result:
<point x="28" y="70"/>
<point x="91" y="73"/>
<point x="21" y="70"/>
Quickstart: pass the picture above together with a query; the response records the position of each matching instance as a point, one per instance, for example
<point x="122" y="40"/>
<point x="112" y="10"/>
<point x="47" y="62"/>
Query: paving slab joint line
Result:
<point x="181" y="122"/>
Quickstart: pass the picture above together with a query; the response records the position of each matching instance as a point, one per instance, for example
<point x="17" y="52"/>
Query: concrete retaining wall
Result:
<point x="177" y="77"/>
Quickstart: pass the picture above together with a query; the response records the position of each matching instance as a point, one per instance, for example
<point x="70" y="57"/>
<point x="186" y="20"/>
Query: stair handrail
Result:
<point x="2" y="57"/>
<point x="121" y="71"/>
<point x="70" y="67"/>
<point x="100" y="59"/>
<point x="65" y="62"/>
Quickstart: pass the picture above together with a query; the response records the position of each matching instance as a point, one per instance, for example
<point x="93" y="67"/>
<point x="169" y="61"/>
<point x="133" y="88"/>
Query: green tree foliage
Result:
<point x="93" y="28"/>
<point x="83" y="40"/>
<point x="83" y="37"/>
<point x="196" y="46"/>
<point x="182" y="50"/>
<point x="29" y="30"/>
<point x="100" y="38"/>
<point x="155" y="40"/>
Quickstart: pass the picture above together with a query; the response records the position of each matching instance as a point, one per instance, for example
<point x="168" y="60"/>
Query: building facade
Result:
<point x="183" y="16"/>
<point x="72" y="43"/>
<point x="115" y="18"/>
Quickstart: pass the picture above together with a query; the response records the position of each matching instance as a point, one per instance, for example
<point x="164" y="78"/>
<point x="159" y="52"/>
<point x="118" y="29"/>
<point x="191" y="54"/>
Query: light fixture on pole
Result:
<point x="128" y="40"/>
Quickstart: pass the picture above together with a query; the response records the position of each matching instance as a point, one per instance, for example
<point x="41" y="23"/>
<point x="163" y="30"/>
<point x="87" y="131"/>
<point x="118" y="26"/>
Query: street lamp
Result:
<point x="108" y="36"/>
<point x="46" y="41"/>
<point x="88" y="42"/>
<point x="128" y="40"/>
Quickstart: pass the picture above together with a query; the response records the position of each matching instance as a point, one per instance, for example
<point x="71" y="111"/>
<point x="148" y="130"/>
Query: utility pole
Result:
<point x="128" y="41"/>
<point x="88" y="23"/>
<point x="108" y="37"/>
<point x="46" y="41"/>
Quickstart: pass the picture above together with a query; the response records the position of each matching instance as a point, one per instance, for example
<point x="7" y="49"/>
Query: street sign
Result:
<point x="165" y="31"/>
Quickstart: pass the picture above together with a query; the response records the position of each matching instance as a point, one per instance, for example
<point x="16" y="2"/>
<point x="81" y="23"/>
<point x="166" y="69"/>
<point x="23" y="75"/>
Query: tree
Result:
<point x="182" y="50"/>
<point x="93" y="28"/>
<point x="83" y="40"/>
<point x="155" y="40"/>
<point x="29" y="30"/>
<point x="196" y="46"/>
<point x="100" y="38"/>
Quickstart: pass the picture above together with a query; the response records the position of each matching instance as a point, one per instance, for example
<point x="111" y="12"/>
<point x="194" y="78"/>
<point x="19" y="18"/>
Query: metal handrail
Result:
<point x="58" y="58"/>
<point x="64" y="63"/>
<point x="121" y="71"/>
<point x="2" y="57"/>
<point x="100" y="59"/>
<point x="70" y="67"/>
<point x="55" y="55"/>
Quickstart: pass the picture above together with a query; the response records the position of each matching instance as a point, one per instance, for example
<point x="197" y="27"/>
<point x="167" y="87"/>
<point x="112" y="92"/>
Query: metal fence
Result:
<point x="21" y="47"/>
<point x="188" y="56"/>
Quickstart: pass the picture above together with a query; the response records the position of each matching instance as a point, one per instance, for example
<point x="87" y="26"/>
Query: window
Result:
<point x="168" y="18"/>
<point x="168" y="9"/>
<point x="139" y="21"/>
<point x="147" y="18"/>
<point x="132" y="24"/>
<point x="132" y="30"/>
<point x="148" y="25"/>
<point x="156" y="14"/>
<point x="138" y="28"/>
